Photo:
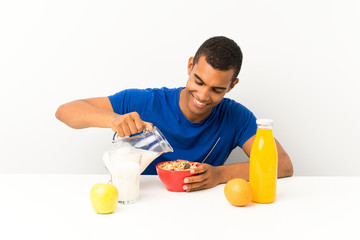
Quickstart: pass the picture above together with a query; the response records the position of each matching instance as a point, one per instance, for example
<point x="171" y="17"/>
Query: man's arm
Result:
<point x="209" y="176"/>
<point x="227" y="172"/>
<point x="98" y="112"/>
<point x="285" y="168"/>
<point x="92" y="112"/>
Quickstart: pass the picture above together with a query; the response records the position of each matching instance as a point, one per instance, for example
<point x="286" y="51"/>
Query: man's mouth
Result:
<point x="199" y="104"/>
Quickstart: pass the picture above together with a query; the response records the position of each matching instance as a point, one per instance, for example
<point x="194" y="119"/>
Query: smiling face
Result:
<point x="205" y="89"/>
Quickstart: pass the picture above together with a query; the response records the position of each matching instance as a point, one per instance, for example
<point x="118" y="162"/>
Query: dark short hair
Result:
<point x="221" y="53"/>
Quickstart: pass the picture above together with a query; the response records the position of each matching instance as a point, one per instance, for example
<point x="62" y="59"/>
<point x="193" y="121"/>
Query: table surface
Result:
<point x="58" y="207"/>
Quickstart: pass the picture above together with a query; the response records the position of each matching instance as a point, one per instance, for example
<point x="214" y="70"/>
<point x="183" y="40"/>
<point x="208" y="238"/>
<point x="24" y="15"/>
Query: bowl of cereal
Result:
<point x="172" y="173"/>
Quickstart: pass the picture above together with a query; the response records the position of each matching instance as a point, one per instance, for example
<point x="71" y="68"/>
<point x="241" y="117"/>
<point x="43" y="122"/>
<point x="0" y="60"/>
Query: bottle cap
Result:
<point x="265" y="121"/>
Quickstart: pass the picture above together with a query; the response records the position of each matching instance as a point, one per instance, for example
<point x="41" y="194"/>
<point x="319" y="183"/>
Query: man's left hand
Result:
<point x="206" y="177"/>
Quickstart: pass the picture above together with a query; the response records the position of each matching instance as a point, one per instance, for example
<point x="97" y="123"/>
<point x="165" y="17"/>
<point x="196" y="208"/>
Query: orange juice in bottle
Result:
<point x="263" y="163"/>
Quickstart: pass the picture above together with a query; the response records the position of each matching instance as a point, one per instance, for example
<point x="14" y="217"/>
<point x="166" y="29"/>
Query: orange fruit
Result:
<point x="238" y="192"/>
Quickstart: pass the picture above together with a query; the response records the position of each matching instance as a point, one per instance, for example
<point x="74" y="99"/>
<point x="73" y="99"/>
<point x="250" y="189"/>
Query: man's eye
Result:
<point x="199" y="83"/>
<point x="217" y="91"/>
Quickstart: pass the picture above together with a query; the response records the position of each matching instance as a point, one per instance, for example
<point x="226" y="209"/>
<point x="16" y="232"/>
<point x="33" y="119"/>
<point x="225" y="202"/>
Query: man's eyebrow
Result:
<point x="222" y="88"/>
<point x="198" y="77"/>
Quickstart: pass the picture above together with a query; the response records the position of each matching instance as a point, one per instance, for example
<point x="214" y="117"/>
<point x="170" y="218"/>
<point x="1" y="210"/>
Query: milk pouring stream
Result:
<point x="147" y="156"/>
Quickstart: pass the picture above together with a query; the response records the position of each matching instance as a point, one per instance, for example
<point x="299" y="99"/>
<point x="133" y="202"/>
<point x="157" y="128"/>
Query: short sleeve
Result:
<point x="129" y="100"/>
<point x="244" y="122"/>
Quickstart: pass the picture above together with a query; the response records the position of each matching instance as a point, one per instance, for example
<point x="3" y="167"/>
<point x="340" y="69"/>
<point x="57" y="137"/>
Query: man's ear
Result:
<point x="232" y="85"/>
<point x="190" y="65"/>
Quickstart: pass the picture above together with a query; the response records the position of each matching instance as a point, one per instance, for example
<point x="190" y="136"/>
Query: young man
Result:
<point x="195" y="119"/>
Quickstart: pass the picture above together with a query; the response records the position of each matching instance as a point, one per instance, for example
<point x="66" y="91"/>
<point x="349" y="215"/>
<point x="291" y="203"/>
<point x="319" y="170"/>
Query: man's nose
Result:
<point x="203" y="94"/>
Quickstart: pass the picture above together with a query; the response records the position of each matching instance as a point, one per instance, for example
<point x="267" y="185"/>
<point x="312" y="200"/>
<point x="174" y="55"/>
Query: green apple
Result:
<point x="104" y="198"/>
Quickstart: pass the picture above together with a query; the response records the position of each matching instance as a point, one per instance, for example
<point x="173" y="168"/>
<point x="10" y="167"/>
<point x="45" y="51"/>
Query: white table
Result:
<point x="58" y="207"/>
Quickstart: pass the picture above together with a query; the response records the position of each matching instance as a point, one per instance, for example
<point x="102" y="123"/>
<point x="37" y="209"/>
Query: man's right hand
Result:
<point x="130" y="123"/>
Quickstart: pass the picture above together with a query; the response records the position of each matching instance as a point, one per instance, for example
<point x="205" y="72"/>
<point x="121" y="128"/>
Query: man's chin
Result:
<point x="200" y="113"/>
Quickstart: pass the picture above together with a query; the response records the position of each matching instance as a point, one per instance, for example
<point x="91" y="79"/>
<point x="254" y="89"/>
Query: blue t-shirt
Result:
<point x="230" y="121"/>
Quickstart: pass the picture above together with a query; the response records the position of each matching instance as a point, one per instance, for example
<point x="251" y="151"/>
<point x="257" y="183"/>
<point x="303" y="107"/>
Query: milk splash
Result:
<point x="147" y="156"/>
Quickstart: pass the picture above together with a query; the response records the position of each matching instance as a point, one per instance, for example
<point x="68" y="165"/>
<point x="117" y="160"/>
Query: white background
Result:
<point x="301" y="68"/>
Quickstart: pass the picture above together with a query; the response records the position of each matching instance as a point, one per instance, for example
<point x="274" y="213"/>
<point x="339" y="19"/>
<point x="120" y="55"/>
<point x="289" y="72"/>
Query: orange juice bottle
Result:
<point x="263" y="163"/>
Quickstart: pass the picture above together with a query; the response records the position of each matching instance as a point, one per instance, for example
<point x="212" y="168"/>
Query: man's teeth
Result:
<point x="200" y="103"/>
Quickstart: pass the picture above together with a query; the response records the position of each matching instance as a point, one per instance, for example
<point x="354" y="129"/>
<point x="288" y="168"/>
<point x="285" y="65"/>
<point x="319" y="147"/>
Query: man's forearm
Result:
<point x="241" y="170"/>
<point x="236" y="170"/>
<point x="81" y="114"/>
